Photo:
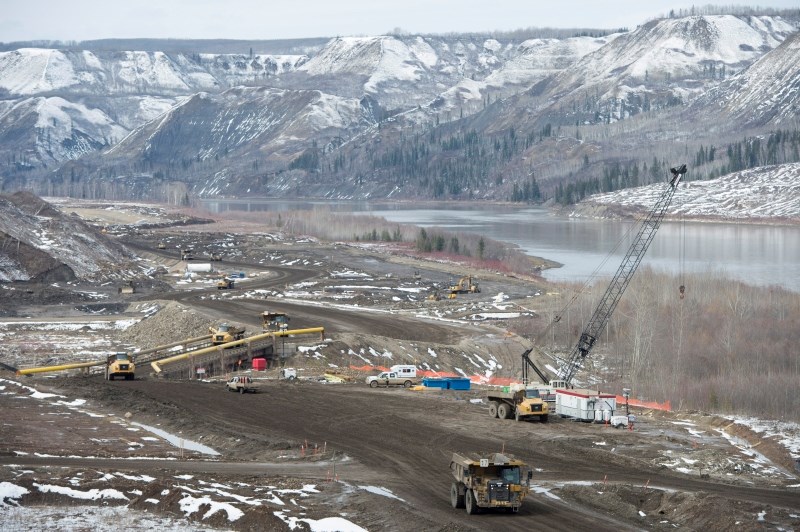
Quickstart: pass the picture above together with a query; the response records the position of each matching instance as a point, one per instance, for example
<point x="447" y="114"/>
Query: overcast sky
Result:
<point x="78" y="20"/>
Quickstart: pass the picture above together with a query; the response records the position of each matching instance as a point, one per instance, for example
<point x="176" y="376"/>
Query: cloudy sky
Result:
<point x="279" y="19"/>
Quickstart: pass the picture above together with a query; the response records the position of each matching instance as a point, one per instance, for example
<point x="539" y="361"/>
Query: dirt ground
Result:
<point x="319" y="455"/>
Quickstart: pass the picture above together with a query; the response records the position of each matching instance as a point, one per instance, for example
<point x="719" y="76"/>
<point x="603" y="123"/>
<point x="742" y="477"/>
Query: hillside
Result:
<point x="766" y="194"/>
<point x="429" y="117"/>
<point x="40" y="244"/>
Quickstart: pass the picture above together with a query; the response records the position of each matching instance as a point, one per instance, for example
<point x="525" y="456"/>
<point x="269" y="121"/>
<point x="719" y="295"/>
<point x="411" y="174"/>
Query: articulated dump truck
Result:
<point x="494" y="481"/>
<point x="224" y="333"/>
<point x="120" y="365"/>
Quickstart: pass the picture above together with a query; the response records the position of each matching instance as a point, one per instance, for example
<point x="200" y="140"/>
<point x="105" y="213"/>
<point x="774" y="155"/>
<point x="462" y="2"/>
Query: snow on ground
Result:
<point x="759" y="193"/>
<point x="200" y="499"/>
<point x="785" y="432"/>
<point x="746" y="457"/>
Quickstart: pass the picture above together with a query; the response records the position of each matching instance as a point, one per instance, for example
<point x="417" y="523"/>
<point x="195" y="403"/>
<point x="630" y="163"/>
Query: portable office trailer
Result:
<point x="585" y="404"/>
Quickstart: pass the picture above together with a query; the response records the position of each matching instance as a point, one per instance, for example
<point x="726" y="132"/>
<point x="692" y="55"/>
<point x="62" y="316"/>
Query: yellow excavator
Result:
<point x="465" y="286"/>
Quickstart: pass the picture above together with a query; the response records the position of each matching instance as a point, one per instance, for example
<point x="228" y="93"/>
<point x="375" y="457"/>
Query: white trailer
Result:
<point x="405" y="370"/>
<point x="199" y="267"/>
<point x="585" y="405"/>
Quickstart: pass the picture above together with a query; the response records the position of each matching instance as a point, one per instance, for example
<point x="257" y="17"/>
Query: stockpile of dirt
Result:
<point x="165" y="323"/>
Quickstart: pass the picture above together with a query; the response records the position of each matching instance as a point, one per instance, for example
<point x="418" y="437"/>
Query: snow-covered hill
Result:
<point x="390" y="115"/>
<point x="662" y="63"/>
<point x="39" y="243"/>
<point x="768" y="92"/>
<point x="766" y="193"/>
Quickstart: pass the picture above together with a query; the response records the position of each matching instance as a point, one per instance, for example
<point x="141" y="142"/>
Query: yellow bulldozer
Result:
<point x="465" y="286"/>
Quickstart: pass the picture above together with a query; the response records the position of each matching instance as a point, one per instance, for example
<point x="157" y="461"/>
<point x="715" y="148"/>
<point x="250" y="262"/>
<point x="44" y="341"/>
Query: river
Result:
<point x="761" y="255"/>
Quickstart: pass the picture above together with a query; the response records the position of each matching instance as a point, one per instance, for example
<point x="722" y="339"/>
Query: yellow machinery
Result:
<point x="157" y="364"/>
<point x="162" y="245"/>
<point x="120" y="365"/>
<point x="494" y="481"/>
<point x="520" y="403"/>
<point x="274" y="321"/>
<point x="225" y="333"/>
<point x="465" y="286"/>
<point x="226" y="284"/>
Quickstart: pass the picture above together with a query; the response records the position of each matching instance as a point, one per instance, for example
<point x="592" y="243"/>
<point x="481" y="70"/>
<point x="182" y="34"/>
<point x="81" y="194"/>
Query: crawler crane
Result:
<point x="613" y="294"/>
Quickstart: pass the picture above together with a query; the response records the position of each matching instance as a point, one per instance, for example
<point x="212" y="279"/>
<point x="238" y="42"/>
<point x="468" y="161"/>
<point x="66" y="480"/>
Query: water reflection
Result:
<point x="757" y="254"/>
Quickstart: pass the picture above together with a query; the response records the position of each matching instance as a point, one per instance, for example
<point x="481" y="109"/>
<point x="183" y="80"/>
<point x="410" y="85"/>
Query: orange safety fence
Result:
<point x="666" y="405"/>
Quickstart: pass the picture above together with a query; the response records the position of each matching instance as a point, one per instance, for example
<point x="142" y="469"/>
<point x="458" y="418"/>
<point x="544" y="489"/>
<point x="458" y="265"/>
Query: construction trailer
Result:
<point x="585" y="405"/>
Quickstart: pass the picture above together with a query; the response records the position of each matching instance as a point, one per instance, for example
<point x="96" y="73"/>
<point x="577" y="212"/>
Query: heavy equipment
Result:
<point x="464" y="286"/>
<point x="608" y="302"/>
<point x="162" y="245"/>
<point x="120" y="365"/>
<point x="520" y="403"/>
<point x="225" y="333"/>
<point x="494" y="481"/>
<point x="274" y="321"/>
<point x="226" y="284"/>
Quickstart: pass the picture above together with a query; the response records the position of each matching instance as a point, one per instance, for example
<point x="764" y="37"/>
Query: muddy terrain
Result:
<point x="325" y="451"/>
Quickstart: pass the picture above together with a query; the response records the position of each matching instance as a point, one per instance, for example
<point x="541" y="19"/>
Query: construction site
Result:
<point x="482" y="431"/>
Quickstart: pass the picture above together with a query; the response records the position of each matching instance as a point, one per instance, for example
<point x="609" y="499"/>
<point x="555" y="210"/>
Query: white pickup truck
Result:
<point x="241" y="384"/>
<point x="391" y="378"/>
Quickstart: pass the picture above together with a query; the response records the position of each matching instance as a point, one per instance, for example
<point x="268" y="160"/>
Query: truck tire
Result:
<point x="456" y="500"/>
<point x="241" y="390"/>
<point x="373" y="384"/>
<point x="543" y="418"/>
<point x="493" y="408"/>
<point x="470" y="504"/>
<point x="503" y="411"/>
<point x="407" y="384"/>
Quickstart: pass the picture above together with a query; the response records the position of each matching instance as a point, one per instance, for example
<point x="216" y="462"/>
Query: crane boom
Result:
<point x="601" y="315"/>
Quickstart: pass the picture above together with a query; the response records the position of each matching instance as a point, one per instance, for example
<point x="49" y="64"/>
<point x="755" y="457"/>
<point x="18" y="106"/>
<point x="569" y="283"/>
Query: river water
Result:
<point x="761" y="255"/>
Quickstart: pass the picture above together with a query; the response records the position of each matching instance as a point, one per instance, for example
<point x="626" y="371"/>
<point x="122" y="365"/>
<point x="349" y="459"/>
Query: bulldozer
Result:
<point x="493" y="481"/>
<point x="465" y="286"/>
<point x="224" y="333"/>
<point x="120" y="365"/>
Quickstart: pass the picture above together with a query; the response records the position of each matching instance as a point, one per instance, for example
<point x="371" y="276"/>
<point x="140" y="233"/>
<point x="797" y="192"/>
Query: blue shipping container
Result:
<point x="447" y="383"/>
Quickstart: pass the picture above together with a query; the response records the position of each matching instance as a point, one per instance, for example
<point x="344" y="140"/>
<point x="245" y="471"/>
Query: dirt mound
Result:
<point x="165" y="323"/>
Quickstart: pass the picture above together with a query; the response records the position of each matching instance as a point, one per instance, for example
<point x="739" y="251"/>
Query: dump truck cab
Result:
<point x="120" y="365"/>
<point x="493" y="481"/>
<point x="224" y="333"/>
